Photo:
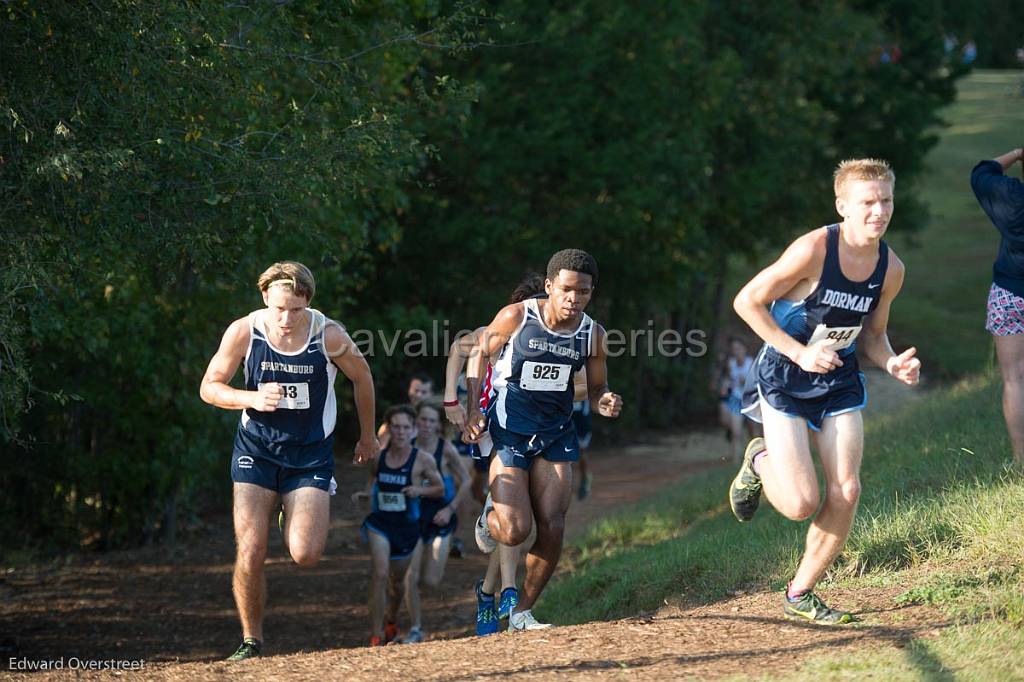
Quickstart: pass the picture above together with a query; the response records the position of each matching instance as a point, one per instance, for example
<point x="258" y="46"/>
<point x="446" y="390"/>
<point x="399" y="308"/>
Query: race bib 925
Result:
<point x="544" y="376"/>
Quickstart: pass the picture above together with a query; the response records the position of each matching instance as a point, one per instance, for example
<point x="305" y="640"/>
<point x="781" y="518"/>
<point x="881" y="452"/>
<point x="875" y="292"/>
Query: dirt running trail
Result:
<point x="176" y="612"/>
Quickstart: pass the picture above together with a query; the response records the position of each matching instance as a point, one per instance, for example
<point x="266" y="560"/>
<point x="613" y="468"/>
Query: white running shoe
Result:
<point x="524" y="620"/>
<point x="484" y="541"/>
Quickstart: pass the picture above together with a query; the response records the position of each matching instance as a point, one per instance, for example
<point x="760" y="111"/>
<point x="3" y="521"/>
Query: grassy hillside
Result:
<point x="949" y="264"/>
<point x="940" y="513"/>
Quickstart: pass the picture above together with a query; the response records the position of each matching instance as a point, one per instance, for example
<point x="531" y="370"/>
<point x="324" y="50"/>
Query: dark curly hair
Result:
<point x="531" y="285"/>
<point x="573" y="260"/>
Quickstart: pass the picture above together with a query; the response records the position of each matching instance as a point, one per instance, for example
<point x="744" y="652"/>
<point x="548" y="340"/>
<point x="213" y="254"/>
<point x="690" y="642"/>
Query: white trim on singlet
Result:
<point x="317" y="325"/>
<point x="309" y="336"/>
<point x="245" y="361"/>
<point x="531" y="304"/>
<point x="330" y="416"/>
<point x="503" y="368"/>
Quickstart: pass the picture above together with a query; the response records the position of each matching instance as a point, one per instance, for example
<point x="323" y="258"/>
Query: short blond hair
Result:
<point x="296" y="277"/>
<point x="853" y="170"/>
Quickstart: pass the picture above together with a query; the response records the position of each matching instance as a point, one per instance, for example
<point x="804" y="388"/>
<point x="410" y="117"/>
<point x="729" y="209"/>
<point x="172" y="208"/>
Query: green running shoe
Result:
<point x="745" y="491"/>
<point x="250" y="648"/>
<point x="812" y="609"/>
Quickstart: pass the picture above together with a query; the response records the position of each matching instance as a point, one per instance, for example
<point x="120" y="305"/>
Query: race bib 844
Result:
<point x="838" y="337"/>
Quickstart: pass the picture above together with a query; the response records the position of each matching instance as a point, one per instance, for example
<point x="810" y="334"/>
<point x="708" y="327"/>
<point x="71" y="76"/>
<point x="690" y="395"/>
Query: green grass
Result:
<point x="964" y="652"/>
<point x="949" y="264"/>
<point x="939" y="516"/>
<point x="933" y="485"/>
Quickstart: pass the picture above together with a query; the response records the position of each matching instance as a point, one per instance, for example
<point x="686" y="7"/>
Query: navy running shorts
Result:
<point x="785" y="387"/>
<point x="519" y="450"/>
<point x="274" y="476"/>
<point x="402" y="538"/>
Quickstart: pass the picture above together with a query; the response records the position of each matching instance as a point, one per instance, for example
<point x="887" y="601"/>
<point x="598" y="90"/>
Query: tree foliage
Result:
<point x="418" y="156"/>
<point x="664" y="138"/>
<point x="158" y="156"/>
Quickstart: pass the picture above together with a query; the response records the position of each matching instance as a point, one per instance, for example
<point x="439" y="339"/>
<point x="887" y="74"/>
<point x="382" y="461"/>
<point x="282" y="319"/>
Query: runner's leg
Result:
<point x="306" y="518"/>
<point x="252" y="509"/>
<point x="509" y="559"/>
<point x="512" y="518"/>
<point x="478" y="485"/>
<point x="787" y="471"/>
<point x="841" y="446"/>
<point x="403" y="567"/>
<point x="380" y="549"/>
<point x="435" y="557"/>
<point x="494" y="572"/>
<point x="550" y="490"/>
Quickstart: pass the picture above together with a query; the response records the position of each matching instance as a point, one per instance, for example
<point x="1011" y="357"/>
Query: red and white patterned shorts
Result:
<point x="1005" y="312"/>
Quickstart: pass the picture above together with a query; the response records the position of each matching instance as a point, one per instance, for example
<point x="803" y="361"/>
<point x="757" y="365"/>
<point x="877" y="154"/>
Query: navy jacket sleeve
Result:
<point x="1001" y="197"/>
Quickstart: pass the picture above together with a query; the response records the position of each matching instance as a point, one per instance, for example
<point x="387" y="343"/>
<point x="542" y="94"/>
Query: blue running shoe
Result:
<point x="509" y="600"/>
<point x="486" y="614"/>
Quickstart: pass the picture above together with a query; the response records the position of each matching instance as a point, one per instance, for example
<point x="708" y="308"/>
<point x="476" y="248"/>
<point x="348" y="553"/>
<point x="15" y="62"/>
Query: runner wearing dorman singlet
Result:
<point x="831" y="289"/>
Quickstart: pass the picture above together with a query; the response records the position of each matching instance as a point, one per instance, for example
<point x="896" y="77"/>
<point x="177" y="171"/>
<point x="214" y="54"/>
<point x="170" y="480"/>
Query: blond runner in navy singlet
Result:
<point x="829" y="291"/>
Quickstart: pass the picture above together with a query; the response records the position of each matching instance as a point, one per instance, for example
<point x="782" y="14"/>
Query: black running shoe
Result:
<point x="250" y="648"/>
<point x="745" y="491"/>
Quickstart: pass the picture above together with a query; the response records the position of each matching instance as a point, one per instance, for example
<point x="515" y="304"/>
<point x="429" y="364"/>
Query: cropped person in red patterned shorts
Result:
<point x="1002" y="198"/>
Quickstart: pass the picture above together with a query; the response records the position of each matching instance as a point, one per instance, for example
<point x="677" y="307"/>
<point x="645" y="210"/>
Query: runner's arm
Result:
<point x="346" y="356"/>
<point x="579" y="385"/>
<point x="214" y="388"/>
<point x="602" y="400"/>
<point x="461" y="349"/>
<point x="425" y="468"/>
<point x="367" y="492"/>
<point x="491" y="341"/>
<point x="457" y="465"/>
<point x="874" y="339"/>
<point x="803" y="260"/>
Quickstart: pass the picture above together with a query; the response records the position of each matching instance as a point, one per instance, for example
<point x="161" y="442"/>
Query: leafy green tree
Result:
<point x="665" y="138"/>
<point x="159" y="156"/>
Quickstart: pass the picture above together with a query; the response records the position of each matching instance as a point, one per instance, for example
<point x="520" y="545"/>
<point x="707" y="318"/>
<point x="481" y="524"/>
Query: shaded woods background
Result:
<point x="419" y="157"/>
